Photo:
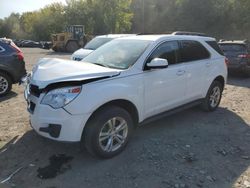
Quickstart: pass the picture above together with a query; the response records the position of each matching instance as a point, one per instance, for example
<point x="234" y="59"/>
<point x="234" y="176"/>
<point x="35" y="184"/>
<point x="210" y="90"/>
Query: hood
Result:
<point x="52" y="70"/>
<point x="81" y="53"/>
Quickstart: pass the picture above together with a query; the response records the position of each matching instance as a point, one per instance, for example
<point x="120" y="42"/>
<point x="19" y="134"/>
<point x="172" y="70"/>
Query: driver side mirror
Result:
<point x="157" y="63"/>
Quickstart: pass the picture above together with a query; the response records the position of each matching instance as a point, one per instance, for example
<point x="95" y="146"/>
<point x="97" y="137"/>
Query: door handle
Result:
<point x="208" y="64"/>
<point x="180" y="72"/>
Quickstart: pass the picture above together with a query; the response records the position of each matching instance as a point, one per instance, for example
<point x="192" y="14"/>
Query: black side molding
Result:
<point x="170" y="112"/>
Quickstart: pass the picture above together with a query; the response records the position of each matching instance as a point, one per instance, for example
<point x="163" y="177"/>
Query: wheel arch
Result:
<point x="122" y="103"/>
<point x="8" y="73"/>
<point x="221" y="80"/>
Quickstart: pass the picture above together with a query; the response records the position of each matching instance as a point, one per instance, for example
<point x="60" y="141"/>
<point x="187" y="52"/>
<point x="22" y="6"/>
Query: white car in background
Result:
<point x="126" y="82"/>
<point x="94" y="44"/>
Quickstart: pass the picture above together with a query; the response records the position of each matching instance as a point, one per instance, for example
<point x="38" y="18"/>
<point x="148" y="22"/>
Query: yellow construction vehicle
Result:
<point x="69" y="41"/>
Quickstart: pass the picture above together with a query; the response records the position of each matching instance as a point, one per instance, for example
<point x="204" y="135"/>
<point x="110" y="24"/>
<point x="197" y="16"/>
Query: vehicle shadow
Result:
<point x="191" y="148"/>
<point x="239" y="80"/>
<point x="10" y="95"/>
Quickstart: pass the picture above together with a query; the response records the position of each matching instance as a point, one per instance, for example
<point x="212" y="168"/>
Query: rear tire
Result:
<point x="55" y="49"/>
<point x="213" y="97"/>
<point x="5" y="84"/>
<point x="72" y="46"/>
<point x="107" y="132"/>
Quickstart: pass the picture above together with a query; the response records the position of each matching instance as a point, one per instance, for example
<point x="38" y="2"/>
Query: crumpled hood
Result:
<point x="52" y="70"/>
<point x="81" y="53"/>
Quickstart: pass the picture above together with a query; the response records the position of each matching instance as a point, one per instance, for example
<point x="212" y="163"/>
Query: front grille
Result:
<point x="34" y="90"/>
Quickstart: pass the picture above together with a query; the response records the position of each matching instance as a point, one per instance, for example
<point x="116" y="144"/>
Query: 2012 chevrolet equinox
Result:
<point x="130" y="80"/>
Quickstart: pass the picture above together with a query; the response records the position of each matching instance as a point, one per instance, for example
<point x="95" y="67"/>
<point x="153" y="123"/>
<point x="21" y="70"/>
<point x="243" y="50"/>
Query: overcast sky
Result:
<point x="20" y="6"/>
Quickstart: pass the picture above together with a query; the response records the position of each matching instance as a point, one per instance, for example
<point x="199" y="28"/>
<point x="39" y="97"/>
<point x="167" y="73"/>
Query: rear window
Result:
<point x="192" y="51"/>
<point x="96" y="43"/>
<point x="215" y="46"/>
<point x="233" y="47"/>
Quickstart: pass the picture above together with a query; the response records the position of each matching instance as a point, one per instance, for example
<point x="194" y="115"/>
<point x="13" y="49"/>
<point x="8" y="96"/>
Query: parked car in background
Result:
<point x="238" y="54"/>
<point x="46" y="44"/>
<point x="27" y="43"/>
<point x="12" y="65"/>
<point x="94" y="44"/>
<point x="18" y="42"/>
<point x="126" y="82"/>
<point x="31" y="44"/>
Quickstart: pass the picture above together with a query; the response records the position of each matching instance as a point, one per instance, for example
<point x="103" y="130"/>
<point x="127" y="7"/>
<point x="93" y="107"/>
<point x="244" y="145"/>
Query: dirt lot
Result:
<point x="186" y="150"/>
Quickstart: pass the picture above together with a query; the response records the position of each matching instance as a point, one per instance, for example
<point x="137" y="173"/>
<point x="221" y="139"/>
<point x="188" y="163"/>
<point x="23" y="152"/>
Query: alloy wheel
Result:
<point x="3" y="85"/>
<point x="215" y="96"/>
<point x="113" y="134"/>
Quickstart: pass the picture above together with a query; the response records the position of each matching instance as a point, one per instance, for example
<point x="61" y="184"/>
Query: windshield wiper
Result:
<point x="89" y="48"/>
<point x="101" y="65"/>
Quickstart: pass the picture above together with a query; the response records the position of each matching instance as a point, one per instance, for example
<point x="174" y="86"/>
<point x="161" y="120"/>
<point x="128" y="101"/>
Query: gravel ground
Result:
<point x="187" y="150"/>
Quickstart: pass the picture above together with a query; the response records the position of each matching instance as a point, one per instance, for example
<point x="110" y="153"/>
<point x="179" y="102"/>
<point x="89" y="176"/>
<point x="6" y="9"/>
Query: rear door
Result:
<point x="7" y="55"/>
<point x="196" y="59"/>
<point x="164" y="88"/>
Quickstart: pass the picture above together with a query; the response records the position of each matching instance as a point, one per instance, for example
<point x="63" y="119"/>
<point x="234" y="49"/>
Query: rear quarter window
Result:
<point x="215" y="46"/>
<point x="192" y="51"/>
<point x="1" y="49"/>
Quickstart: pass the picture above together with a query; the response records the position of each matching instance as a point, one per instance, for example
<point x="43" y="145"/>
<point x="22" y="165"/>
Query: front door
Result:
<point x="164" y="88"/>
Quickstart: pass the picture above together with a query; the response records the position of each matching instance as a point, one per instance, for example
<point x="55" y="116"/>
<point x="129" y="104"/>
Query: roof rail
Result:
<point x="144" y="33"/>
<point x="189" y="33"/>
<point x="165" y="33"/>
<point x="234" y="41"/>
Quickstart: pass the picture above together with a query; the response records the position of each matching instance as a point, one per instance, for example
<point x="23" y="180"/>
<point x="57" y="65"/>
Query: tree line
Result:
<point x="229" y="19"/>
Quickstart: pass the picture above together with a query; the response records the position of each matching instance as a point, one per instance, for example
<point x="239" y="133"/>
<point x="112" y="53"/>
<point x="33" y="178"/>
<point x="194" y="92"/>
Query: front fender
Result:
<point x="96" y="94"/>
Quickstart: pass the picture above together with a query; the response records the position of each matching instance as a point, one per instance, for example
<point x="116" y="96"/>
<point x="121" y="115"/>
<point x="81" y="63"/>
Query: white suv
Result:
<point x="126" y="82"/>
<point x="94" y="44"/>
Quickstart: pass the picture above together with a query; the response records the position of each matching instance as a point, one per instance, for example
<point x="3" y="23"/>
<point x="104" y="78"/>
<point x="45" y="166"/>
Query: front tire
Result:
<point x="5" y="84"/>
<point x="72" y="46"/>
<point x="213" y="97"/>
<point x="108" y="131"/>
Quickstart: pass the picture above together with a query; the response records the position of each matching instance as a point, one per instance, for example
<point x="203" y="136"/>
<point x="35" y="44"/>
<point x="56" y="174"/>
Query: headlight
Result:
<point x="58" y="98"/>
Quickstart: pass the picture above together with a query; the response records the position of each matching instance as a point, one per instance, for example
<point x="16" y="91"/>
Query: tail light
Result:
<point x="226" y="61"/>
<point x="20" y="56"/>
<point x="244" y="56"/>
<point x="19" y="52"/>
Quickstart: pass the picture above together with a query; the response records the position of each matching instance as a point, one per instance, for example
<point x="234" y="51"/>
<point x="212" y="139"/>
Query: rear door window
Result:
<point x="215" y="46"/>
<point x="192" y="51"/>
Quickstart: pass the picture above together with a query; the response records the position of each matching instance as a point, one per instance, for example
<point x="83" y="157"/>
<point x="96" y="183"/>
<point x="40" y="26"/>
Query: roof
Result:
<point x="115" y="35"/>
<point x="168" y="36"/>
<point x="5" y="40"/>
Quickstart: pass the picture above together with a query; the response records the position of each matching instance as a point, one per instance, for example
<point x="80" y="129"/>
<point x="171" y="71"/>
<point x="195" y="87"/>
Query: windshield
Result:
<point x="233" y="47"/>
<point x="119" y="54"/>
<point x="96" y="43"/>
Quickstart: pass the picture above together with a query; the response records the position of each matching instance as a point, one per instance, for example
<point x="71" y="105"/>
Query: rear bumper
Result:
<point x="18" y="71"/>
<point x="239" y="68"/>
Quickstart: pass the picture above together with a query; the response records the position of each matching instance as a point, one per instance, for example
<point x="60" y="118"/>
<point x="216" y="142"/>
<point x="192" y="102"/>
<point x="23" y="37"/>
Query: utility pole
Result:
<point x="143" y="16"/>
